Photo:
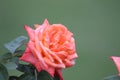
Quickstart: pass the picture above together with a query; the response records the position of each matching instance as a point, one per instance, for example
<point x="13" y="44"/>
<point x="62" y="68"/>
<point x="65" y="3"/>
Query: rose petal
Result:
<point x="117" y="62"/>
<point x="69" y="63"/>
<point x="36" y="25"/>
<point x="45" y="23"/>
<point x="59" y="65"/>
<point x="72" y="56"/>
<point x="39" y="56"/>
<point x="51" y="71"/>
<point x="28" y="57"/>
<point x="59" y="73"/>
<point x="30" y="32"/>
<point x="46" y="53"/>
<point x="62" y="54"/>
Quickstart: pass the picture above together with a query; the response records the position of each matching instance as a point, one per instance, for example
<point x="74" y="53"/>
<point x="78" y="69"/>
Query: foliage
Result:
<point x="113" y="77"/>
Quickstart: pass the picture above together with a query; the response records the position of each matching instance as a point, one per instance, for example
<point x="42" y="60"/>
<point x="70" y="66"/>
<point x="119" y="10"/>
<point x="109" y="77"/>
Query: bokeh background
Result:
<point x="95" y="24"/>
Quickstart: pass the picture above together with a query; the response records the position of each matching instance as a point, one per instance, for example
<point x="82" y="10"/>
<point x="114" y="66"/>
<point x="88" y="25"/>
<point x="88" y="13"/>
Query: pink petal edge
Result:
<point x="30" y="32"/>
<point x="117" y="62"/>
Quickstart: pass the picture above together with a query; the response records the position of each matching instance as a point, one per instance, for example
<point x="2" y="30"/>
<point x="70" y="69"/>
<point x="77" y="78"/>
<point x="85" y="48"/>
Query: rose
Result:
<point x="117" y="62"/>
<point x="50" y="48"/>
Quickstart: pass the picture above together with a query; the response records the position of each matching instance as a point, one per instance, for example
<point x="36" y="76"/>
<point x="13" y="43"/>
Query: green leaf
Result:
<point x="25" y="68"/>
<point x="43" y="75"/>
<point x="18" y="53"/>
<point x="5" y="57"/>
<point x="10" y="65"/>
<point x="113" y="77"/>
<point x="16" y="43"/>
<point x="3" y="73"/>
<point x="13" y="78"/>
<point x="27" y="77"/>
<point x="8" y="57"/>
<point x="15" y="60"/>
<point x="9" y="61"/>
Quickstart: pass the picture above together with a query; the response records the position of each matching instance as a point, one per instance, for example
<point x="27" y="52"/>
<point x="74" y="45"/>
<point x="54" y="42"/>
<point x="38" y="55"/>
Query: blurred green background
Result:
<point x="95" y="24"/>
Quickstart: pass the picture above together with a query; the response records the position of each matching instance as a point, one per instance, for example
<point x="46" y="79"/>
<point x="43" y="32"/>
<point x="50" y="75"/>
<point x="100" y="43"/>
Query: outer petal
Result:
<point x="28" y="57"/>
<point x="51" y="71"/>
<point x="36" y="25"/>
<point x="30" y="32"/>
<point x="69" y="63"/>
<point x="72" y="56"/>
<point x="45" y="23"/>
<point x="59" y="73"/>
<point x="117" y="62"/>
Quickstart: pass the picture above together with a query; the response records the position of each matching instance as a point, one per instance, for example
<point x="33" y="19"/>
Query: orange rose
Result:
<point x="50" y="48"/>
<point x="117" y="63"/>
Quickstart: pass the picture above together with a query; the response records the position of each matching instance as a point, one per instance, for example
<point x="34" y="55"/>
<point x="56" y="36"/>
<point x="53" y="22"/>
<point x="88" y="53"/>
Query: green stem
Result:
<point x="35" y="74"/>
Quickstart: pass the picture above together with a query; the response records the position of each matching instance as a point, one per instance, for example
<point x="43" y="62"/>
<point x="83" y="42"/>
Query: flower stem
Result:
<point x="35" y="74"/>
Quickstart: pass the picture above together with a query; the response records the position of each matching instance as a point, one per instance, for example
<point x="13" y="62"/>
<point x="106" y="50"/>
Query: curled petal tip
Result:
<point x="30" y="32"/>
<point x="117" y="62"/>
<point x="114" y="58"/>
<point x="36" y="25"/>
<point x="25" y="27"/>
<point x="46" y="22"/>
